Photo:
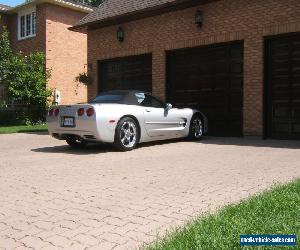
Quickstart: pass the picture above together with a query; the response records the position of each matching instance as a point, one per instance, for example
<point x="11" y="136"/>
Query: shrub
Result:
<point x="25" y="78"/>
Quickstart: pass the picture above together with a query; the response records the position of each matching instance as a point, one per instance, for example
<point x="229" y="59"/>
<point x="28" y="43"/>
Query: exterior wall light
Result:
<point x="199" y="18"/>
<point x="120" y="34"/>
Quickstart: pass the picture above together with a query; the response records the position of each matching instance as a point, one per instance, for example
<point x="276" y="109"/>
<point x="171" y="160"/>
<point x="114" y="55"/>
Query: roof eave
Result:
<point x="139" y="14"/>
<point x="56" y="2"/>
<point x="4" y="9"/>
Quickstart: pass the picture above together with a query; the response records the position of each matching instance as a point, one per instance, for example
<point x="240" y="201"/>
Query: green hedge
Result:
<point x="21" y="115"/>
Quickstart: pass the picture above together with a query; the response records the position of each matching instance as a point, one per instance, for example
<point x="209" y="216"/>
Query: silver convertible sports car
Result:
<point x="124" y="118"/>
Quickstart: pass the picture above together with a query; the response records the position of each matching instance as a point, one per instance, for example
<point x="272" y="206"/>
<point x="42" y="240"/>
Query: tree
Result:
<point x="94" y="3"/>
<point x="25" y="78"/>
<point x="6" y="55"/>
<point x="29" y="82"/>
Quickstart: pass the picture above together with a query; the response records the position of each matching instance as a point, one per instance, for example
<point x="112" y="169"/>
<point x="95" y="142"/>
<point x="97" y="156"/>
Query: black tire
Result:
<point x="127" y="134"/>
<point x="196" y="128"/>
<point x="76" y="142"/>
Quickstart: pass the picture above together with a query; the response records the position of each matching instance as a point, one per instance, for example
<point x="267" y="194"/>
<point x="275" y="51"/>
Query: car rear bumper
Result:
<point x="84" y="135"/>
<point x="87" y="130"/>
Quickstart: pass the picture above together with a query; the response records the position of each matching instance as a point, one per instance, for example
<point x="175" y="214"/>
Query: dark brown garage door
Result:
<point x="283" y="87"/>
<point x="209" y="78"/>
<point x="127" y="73"/>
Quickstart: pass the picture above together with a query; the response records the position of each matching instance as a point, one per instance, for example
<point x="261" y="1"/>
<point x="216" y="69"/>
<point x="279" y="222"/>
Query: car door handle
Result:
<point x="147" y="110"/>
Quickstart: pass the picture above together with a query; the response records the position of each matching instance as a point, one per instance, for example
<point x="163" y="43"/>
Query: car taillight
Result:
<point x="80" y="112"/>
<point x="56" y="112"/>
<point x="50" y="113"/>
<point x="90" y="111"/>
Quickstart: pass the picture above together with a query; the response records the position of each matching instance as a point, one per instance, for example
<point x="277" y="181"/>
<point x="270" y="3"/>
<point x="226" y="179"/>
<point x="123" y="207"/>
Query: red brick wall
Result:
<point x="224" y="21"/>
<point x="31" y="44"/>
<point x="66" y="53"/>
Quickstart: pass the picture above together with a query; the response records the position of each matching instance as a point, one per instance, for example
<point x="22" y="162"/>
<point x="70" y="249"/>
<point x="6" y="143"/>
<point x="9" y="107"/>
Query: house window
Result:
<point x="33" y="22"/>
<point x="22" y="25"/>
<point x="27" y="24"/>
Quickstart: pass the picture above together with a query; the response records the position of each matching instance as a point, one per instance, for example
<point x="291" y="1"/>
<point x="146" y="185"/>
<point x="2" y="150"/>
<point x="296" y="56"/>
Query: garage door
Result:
<point x="209" y="78"/>
<point x="127" y="73"/>
<point x="283" y="87"/>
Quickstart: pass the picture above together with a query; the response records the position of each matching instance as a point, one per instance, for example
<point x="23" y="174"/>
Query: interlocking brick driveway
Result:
<point x="53" y="197"/>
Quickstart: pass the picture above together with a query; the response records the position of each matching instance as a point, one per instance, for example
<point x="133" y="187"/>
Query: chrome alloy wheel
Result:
<point x="197" y="128"/>
<point x="128" y="134"/>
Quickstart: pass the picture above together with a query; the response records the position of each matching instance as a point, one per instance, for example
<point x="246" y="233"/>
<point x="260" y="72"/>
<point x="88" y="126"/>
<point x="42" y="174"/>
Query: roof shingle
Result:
<point x="4" y="7"/>
<point x="78" y="4"/>
<point x="115" y="8"/>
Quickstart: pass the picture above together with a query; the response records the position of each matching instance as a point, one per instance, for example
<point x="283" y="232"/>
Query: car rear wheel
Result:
<point x="76" y="142"/>
<point x="196" y="128"/>
<point x="127" y="134"/>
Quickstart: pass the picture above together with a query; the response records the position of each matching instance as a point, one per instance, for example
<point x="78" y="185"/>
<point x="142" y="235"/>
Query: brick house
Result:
<point x="42" y="25"/>
<point x="236" y="60"/>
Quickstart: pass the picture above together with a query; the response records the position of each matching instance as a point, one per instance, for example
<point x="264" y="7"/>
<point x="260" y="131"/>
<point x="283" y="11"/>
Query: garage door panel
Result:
<point x="199" y="85"/>
<point x="281" y="51"/>
<point x="282" y="111"/>
<point x="295" y="95"/>
<point x="296" y="111"/>
<point x="220" y="67"/>
<point x="296" y="118"/>
<point x="205" y="101"/>
<point x="281" y="128"/>
<point x="296" y="129"/>
<point x="296" y="70"/>
<point x="222" y="129"/>
<point x="281" y="65"/>
<point x="280" y="92"/>
<point x="213" y="83"/>
<point x="283" y="87"/>
<point x="236" y="83"/>
<point x="134" y="72"/>
<point x="218" y="87"/>
<point x="236" y="67"/>
<point x="236" y="101"/>
<point x="218" y="53"/>
<point x="296" y="46"/>
<point x="295" y="79"/>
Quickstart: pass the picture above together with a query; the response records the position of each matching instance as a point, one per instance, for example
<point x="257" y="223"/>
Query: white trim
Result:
<point x="57" y="2"/>
<point x="73" y="5"/>
<point x="25" y="37"/>
<point x="25" y="12"/>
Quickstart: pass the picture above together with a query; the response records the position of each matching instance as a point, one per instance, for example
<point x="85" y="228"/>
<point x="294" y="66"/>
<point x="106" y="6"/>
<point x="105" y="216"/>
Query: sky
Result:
<point x="11" y="2"/>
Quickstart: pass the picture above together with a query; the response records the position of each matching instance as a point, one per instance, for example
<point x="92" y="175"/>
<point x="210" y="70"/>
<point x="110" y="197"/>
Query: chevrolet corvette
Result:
<point x="124" y="118"/>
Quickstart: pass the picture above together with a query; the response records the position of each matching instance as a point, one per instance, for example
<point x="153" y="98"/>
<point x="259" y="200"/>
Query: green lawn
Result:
<point x="22" y="129"/>
<point x="276" y="211"/>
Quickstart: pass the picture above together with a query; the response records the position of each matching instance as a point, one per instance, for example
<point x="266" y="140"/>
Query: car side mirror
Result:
<point x="168" y="106"/>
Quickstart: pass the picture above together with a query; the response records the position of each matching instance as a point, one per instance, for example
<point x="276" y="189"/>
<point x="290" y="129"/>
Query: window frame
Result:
<point x="29" y="17"/>
<point x="163" y="104"/>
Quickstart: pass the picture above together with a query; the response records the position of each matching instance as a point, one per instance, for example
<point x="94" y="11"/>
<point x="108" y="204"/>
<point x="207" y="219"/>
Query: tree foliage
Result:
<point x="28" y="82"/>
<point x="94" y="3"/>
<point x="25" y="77"/>
<point x="6" y="55"/>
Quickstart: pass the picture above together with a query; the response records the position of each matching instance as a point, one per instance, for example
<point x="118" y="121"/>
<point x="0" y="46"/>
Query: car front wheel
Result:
<point x="196" y="128"/>
<point x="127" y="134"/>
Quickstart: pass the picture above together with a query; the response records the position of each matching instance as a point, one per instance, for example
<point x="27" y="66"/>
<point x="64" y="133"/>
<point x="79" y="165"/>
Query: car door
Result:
<point x="160" y="121"/>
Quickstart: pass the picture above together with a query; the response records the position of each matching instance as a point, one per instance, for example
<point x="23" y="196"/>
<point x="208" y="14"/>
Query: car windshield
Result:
<point x="108" y="98"/>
